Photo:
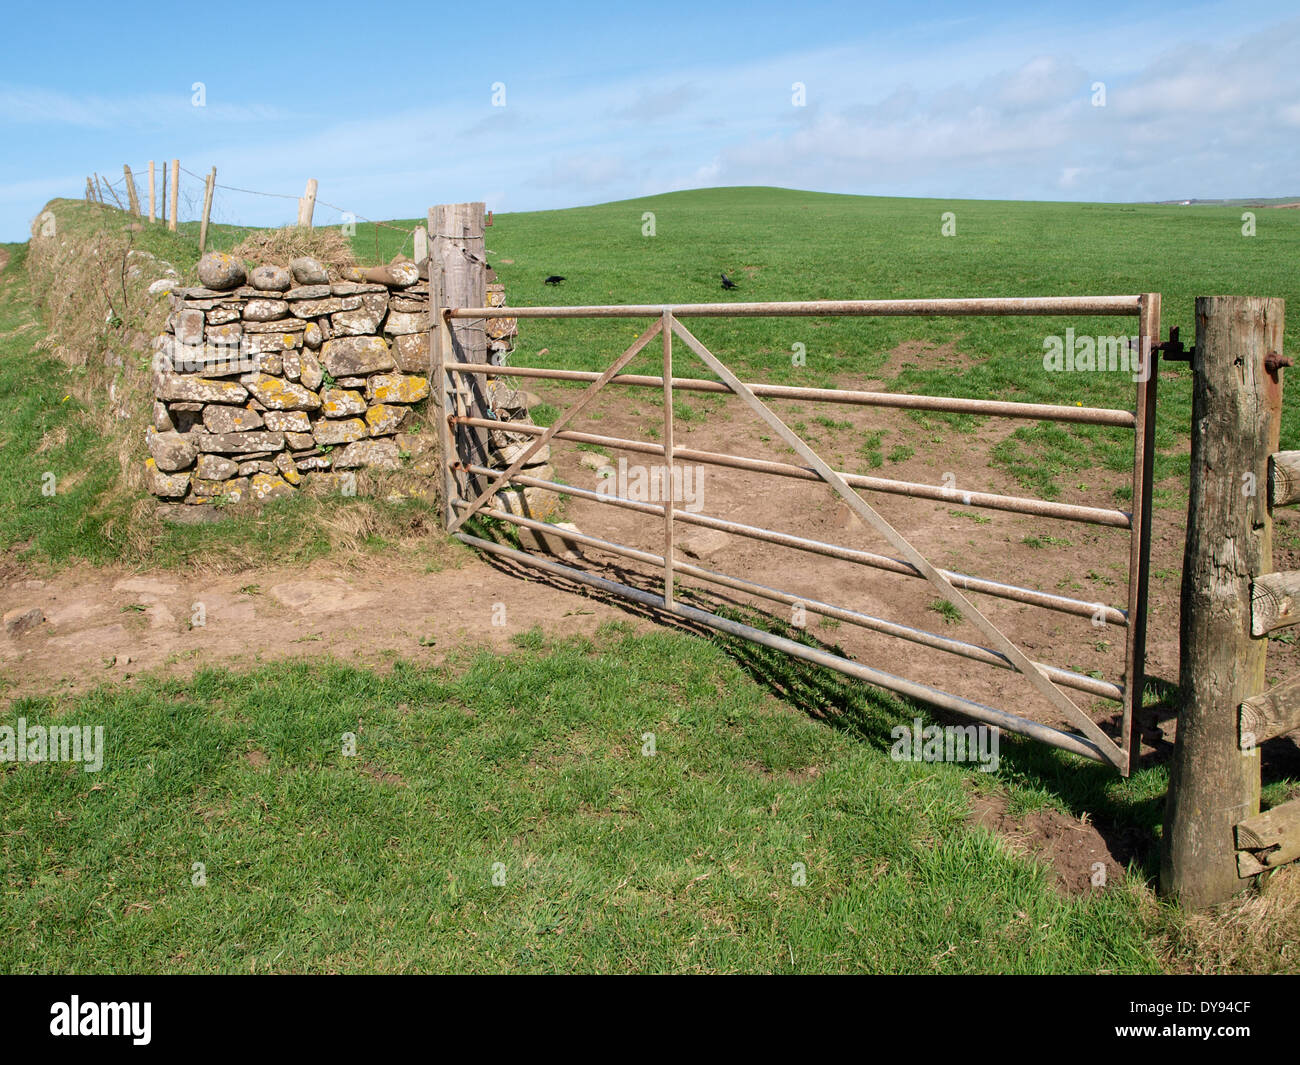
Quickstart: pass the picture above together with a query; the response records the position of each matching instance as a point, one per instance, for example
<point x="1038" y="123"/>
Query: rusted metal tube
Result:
<point x="1067" y="741"/>
<point x="1040" y="508"/>
<point x="992" y="408"/>
<point x="1065" y="677"/>
<point x="999" y="589"/>
<point x="1031" y="305"/>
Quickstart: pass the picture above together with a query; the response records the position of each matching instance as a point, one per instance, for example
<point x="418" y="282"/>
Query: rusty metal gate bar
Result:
<point x="1004" y="654"/>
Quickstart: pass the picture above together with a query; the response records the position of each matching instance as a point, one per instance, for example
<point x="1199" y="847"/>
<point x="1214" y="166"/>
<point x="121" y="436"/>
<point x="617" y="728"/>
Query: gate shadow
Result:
<point x="1126" y="813"/>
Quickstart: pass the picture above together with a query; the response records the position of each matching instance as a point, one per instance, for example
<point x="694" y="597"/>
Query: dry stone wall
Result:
<point x="279" y="379"/>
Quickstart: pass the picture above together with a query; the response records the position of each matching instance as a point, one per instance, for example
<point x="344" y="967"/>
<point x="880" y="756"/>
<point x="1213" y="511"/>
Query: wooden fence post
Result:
<point x="209" y="187"/>
<point x="420" y="244"/>
<point x="1213" y="783"/>
<point x="176" y="186"/>
<point x="459" y="258"/>
<point x="307" y="204"/>
<point x="153" y="203"/>
<point x="132" y="198"/>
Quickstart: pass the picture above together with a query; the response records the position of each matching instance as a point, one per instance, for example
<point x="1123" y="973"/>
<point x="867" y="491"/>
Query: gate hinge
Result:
<point x="1172" y="349"/>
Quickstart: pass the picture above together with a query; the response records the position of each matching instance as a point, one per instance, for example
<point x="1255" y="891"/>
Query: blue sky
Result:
<point x="391" y="106"/>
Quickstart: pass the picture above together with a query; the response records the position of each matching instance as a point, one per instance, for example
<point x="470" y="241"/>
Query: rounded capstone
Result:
<point x="309" y="271"/>
<point x="270" y="278"/>
<point x="221" y="272"/>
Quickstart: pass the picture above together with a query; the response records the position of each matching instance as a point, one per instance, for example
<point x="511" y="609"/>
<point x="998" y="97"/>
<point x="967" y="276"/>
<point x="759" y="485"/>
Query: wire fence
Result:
<point x="232" y="207"/>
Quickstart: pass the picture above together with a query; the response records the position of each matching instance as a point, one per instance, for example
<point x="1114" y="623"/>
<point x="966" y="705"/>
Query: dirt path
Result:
<point x="106" y="625"/>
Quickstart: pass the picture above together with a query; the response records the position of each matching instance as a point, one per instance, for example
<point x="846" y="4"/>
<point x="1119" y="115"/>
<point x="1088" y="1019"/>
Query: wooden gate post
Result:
<point x="1213" y="783"/>
<point x="458" y="258"/>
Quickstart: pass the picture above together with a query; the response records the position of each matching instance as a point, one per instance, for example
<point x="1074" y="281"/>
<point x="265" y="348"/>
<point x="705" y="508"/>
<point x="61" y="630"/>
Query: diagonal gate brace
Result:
<point x="864" y="510"/>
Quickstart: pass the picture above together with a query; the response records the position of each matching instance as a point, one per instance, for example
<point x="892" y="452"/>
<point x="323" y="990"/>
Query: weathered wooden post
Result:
<point x="176" y="188"/>
<point x="153" y="199"/>
<point x="1214" y="784"/>
<point x="458" y="278"/>
<point x="209" y="187"/>
<point x="132" y="199"/>
<point x="307" y="204"/>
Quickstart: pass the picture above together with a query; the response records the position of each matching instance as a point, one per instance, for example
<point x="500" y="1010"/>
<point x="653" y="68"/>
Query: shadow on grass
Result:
<point x="1126" y="813"/>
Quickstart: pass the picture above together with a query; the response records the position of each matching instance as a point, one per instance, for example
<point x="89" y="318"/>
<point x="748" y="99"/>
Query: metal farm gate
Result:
<point x="461" y="368"/>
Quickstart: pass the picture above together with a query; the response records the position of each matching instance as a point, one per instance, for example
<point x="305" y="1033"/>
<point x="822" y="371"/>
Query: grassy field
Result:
<point x="530" y="768"/>
<point x="780" y="244"/>
<point x="610" y="860"/>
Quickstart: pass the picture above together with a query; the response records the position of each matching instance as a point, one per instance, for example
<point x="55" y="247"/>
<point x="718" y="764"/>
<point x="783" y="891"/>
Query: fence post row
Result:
<point x="1214" y="836"/>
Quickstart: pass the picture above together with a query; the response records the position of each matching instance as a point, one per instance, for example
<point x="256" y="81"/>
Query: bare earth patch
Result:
<point x="1081" y="858"/>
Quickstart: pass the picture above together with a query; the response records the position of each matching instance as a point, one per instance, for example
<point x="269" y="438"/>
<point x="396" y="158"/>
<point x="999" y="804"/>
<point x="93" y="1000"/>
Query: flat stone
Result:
<point x="22" y="619"/>
<point x="312" y="375"/>
<point x="510" y="452"/>
<point x="215" y="468"/>
<point x="261" y="343"/>
<point x="171" y="451"/>
<point x="308" y="292"/>
<point x="291" y="366"/>
<point x="285" y="464"/>
<point x="353" y="288"/>
<point x="232" y="491"/>
<point x="227" y="333"/>
<point x="223" y="315"/>
<point x="198" y="389"/>
<point x="162" y="419"/>
<point x="270" y="278"/>
<point x="384" y="418"/>
<point x="280" y="325"/>
<point x="308" y="271"/>
<point x="198" y="292"/>
<point x="407" y="305"/>
<point x="188" y="327"/>
<point x="397" y="388"/>
<point x="330" y="305"/>
<point x="340" y="431"/>
<point x="265" y="310"/>
<point x="400" y="323"/>
<point x="248" y="469"/>
<point x="241" y="443"/>
<point x="222" y="419"/>
<point x="361" y="322"/>
<point x="345" y="356"/>
<point x="287" y="421"/>
<point x="271" y="364"/>
<point x="382" y="453"/>
<point x="299" y="441"/>
<point x="221" y="272"/>
<point x="411" y="352"/>
<point x="341" y="403"/>
<point x="278" y="394"/>
<point x="266" y="486"/>
<point x="315" y="462"/>
<point x="166" y="485"/>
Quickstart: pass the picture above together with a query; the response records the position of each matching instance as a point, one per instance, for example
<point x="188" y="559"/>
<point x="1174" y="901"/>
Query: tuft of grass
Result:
<point x="946" y="610"/>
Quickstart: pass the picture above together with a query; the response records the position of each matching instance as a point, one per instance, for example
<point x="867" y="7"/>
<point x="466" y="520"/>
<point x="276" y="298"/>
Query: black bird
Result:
<point x="727" y="283"/>
<point x="554" y="279"/>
